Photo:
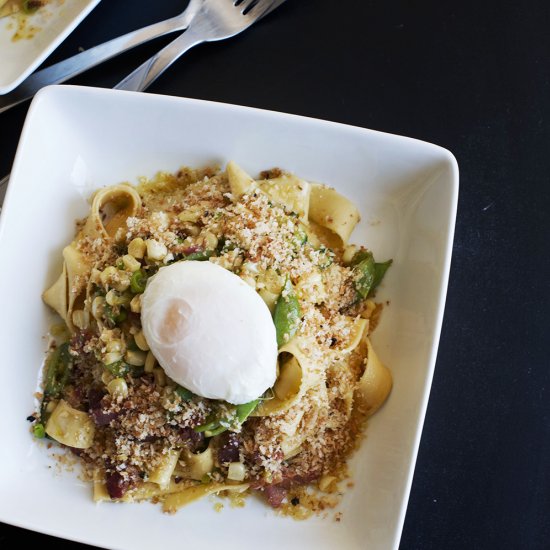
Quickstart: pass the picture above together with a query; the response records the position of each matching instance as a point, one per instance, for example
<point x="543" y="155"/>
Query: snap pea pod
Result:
<point x="216" y="427"/>
<point x="287" y="314"/>
<point x="245" y="410"/>
<point x="199" y="256"/>
<point x="184" y="393"/>
<point x="379" y="272"/>
<point x="58" y="370"/>
<point x="368" y="273"/>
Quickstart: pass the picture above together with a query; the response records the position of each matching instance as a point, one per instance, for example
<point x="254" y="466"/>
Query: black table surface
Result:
<point x="473" y="77"/>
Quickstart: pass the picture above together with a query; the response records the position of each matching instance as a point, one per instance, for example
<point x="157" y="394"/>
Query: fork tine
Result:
<point x="263" y="7"/>
<point x="244" y="5"/>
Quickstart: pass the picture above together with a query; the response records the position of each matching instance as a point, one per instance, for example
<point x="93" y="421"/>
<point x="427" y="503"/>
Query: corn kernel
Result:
<point x="97" y="307"/>
<point x="160" y="377"/>
<point x="141" y="342"/>
<point x="108" y="274"/>
<point x="236" y="471"/>
<point x="149" y="362"/>
<point x="112" y="357"/>
<point x="81" y="318"/>
<point x="155" y="250"/>
<point x="135" y="358"/>
<point x="113" y="298"/>
<point x="118" y="387"/>
<point x="111" y="276"/>
<point x="209" y="240"/>
<point x="130" y="263"/>
<point x="190" y="215"/>
<point x="114" y="345"/>
<point x="135" y="304"/>
<point x="137" y="248"/>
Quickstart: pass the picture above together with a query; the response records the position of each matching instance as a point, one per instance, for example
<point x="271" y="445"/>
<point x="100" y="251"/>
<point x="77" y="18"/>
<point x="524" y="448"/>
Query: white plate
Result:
<point x="78" y="139"/>
<point x="53" y="24"/>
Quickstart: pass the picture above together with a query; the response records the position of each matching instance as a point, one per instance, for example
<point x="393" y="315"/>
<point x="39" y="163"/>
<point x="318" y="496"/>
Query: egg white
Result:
<point x="210" y="331"/>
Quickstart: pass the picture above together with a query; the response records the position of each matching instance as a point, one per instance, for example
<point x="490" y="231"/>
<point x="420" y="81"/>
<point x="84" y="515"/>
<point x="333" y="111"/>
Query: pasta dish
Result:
<point x="215" y="340"/>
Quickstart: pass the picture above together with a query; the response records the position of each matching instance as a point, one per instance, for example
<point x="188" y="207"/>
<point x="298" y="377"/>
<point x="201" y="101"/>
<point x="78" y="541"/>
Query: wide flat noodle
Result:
<point x="375" y="384"/>
<point x="173" y="502"/>
<point x="296" y="376"/>
<point x="351" y="338"/>
<point x="240" y="182"/>
<point x="292" y="192"/>
<point x="195" y="465"/>
<point x="163" y="471"/>
<point x="110" y="209"/>
<point x="333" y="211"/>
<point x="144" y="491"/>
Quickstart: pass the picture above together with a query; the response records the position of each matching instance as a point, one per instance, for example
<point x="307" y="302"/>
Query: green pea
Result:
<point x="138" y="281"/>
<point x="39" y="431"/>
<point x="287" y="314"/>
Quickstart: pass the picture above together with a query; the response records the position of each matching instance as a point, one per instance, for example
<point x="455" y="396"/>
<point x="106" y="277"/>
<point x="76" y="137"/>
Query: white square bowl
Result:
<point x="78" y="139"/>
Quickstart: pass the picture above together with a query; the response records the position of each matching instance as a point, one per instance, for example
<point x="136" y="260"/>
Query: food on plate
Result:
<point x="9" y="7"/>
<point x="215" y="339"/>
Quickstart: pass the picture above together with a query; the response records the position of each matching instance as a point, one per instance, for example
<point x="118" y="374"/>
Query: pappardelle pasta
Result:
<point x="144" y="435"/>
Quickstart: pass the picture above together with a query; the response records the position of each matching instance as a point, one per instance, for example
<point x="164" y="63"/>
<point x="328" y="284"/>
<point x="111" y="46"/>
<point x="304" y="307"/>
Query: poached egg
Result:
<point x="210" y="331"/>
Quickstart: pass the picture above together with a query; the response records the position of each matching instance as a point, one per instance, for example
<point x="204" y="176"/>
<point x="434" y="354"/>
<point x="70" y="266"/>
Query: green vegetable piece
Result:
<point x="369" y="273"/>
<point x="184" y="393"/>
<point x="118" y="368"/>
<point x="217" y="431"/>
<point x="138" y="281"/>
<point x="58" y="370"/>
<point x="359" y="256"/>
<point x="365" y="273"/>
<point x="379" y="272"/>
<point x="246" y="409"/>
<point x="39" y="431"/>
<point x="287" y="314"/>
<point x="208" y="427"/>
<point x="199" y="256"/>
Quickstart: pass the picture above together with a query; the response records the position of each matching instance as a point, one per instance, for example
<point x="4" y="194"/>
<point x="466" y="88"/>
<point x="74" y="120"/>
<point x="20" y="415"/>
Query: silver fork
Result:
<point x="215" y="20"/>
<point x="77" y="64"/>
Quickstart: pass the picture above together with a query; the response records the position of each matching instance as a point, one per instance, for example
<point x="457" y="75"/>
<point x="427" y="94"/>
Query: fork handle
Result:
<point x="73" y="66"/>
<point x="148" y="72"/>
